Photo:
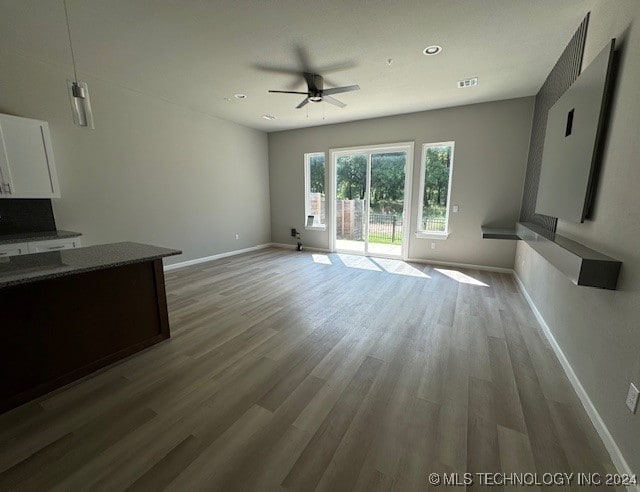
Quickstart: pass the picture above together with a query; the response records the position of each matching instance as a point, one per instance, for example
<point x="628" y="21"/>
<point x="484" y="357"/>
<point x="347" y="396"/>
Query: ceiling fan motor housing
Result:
<point x="318" y="81"/>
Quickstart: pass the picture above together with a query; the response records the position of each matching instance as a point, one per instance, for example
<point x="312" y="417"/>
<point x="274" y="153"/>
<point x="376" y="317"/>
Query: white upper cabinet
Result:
<point x="27" y="168"/>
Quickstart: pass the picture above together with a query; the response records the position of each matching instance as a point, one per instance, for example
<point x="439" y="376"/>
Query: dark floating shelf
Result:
<point x="584" y="266"/>
<point x="495" y="233"/>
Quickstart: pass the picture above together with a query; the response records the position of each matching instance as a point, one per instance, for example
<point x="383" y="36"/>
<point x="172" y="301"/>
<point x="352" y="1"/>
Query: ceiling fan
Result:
<point x="317" y="93"/>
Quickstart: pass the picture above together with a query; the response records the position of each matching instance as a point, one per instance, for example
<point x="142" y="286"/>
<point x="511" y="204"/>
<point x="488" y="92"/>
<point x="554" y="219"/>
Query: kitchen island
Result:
<point x="67" y="313"/>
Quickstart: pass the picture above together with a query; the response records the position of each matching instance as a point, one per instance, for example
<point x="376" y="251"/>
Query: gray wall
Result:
<point x="491" y="143"/>
<point x="151" y="171"/>
<point x="599" y="331"/>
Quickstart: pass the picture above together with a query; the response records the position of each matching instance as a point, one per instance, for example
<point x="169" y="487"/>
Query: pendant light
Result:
<point x="78" y="91"/>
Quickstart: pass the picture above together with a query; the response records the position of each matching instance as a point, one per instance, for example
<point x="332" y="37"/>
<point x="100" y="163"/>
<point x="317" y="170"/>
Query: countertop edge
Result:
<point x="33" y="237"/>
<point x="79" y="270"/>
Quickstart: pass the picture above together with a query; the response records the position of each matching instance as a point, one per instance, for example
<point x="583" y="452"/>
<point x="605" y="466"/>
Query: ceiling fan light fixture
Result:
<point x="434" y="49"/>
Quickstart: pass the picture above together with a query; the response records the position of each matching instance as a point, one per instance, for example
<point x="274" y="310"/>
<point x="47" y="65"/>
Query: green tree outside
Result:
<point x="436" y="182"/>
<point x="387" y="183"/>
<point x="316" y="173"/>
<point x="351" y="173"/>
<point x="387" y="180"/>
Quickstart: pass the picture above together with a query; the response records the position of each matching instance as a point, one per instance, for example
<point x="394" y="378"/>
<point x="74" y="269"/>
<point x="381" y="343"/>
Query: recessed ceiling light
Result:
<point x="472" y="82"/>
<point x="432" y="50"/>
<point x="240" y="96"/>
<point x="268" y="116"/>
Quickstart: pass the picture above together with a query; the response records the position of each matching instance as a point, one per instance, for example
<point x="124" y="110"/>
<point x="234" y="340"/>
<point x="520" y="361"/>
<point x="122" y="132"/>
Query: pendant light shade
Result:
<point x="80" y="104"/>
<point x="78" y="91"/>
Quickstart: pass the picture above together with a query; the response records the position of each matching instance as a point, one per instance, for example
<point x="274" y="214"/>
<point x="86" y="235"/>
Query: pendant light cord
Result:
<point x="73" y="58"/>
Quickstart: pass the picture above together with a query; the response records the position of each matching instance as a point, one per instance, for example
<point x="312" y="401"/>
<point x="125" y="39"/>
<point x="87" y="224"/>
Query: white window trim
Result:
<point x="420" y="233"/>
<point x="307" y="176"/>
<point x="432" y="235"/>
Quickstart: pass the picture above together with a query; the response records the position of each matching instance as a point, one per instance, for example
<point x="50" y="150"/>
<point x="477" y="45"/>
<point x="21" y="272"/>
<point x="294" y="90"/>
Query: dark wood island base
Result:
<point x="57" y="330"/>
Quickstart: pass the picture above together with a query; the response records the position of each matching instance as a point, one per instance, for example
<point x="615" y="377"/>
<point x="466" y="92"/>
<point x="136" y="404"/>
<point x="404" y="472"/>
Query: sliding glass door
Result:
<point x="386" y="203"/>
<point x="351" y="202"/>
<point x="370" y="208"/>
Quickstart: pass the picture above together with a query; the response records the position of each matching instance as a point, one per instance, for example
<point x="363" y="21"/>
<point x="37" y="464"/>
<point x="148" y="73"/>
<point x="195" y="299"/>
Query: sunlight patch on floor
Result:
<point x="460" y="277"/>
<point x="321" y="259"/>
<point x="360" y="262"/>
<point x="399" y="267"/>
<point x="393" y="266"/>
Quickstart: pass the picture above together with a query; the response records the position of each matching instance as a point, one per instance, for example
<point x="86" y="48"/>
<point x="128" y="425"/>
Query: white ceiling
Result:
<point x="196" y="53"/>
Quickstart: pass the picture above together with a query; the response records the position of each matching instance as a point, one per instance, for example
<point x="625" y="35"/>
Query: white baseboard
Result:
<point x="196" y="261"/>
<point x="293" y="246"/>
<point x="182" y="264"/>
<point x="614" y="452"/>
<point x="283" y="245"/>
<point x="461" y="265"/>
<point x="414" y="260"/>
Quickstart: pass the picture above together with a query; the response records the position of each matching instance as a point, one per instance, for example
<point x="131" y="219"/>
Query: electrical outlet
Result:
<point x="237" y="236"/>
<point x="433" y="245"/>
<point x="632" y="398"/>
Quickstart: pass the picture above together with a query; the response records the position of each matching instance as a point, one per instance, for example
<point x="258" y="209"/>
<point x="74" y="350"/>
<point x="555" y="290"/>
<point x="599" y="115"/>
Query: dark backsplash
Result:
<point x="19" y="215"/>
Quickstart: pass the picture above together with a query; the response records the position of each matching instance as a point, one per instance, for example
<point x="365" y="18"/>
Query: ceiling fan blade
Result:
<point x="303" y="103"/>
<point x="338" y="90"/>
<point x="290" y="92"/>
<point x="338" y="67"/>
<point x="272" y="69"/>
<point x="334" y="101"/>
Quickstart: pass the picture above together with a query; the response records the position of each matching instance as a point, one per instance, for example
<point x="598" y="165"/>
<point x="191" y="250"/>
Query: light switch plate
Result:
<point x="632" y="398"/>
<point x="455" y="209"/>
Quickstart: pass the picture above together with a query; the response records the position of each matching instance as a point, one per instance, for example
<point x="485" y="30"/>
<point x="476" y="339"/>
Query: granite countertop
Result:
<point x="26" y="237"/>
<point x="23" y="269"/>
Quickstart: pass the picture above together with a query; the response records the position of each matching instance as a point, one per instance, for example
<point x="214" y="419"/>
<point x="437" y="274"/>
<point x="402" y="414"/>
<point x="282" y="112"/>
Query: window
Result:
<point x="314" y="191"/>
<point x="435" y="189"/>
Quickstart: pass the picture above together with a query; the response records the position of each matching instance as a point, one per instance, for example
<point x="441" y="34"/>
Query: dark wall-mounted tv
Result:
<point x="575" y="128"/>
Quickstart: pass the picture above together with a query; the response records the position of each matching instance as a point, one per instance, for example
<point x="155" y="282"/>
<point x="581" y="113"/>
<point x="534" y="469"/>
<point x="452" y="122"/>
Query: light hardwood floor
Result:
<point x="306" y="371"/>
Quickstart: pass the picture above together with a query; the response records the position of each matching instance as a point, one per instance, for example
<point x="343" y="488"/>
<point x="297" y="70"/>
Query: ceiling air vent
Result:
<point x="472" y="82"/>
